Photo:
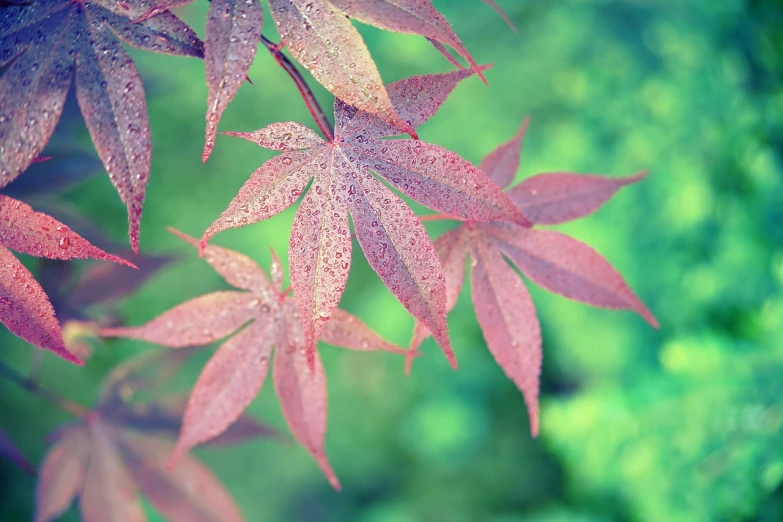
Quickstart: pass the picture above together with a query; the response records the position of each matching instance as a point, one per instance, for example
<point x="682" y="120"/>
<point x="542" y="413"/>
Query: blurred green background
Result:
<point x="679" y="424"/>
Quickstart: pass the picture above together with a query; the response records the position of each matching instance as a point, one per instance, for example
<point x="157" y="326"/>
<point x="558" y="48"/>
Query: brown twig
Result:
<point x="307" y="95"/>
<point x="48" y="395"/>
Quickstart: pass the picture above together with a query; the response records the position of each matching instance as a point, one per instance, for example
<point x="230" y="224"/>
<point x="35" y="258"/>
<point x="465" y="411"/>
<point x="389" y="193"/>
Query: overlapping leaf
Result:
<point x="234" y="375"/>
<point x="117" y="453"/>
<point x="391" y="236"/>
<point x="550" y="259"/>
<point x="24" y="307"/>
<point x="109" y="466"/>
<point x="320" y="36"/>
<point x="44" y="45"/>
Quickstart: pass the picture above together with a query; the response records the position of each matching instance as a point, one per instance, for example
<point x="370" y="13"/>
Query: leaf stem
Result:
<point x="48" y="395"/>
<point x="307" y="95"/>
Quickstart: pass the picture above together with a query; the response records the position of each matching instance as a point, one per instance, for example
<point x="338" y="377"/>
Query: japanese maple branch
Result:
<point x="48" y="395"/>
<point x="307" y="95"/>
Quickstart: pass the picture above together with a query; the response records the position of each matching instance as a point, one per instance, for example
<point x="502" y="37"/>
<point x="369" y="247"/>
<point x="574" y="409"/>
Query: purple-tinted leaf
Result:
<point x="549" y="199"/>
<point x="43" y="69"/>
<point x="187" y="493"/>
<point x="54" y="177"/>
<point x="501" y="164"/>
<point x="508" y="319"/>
<point x="26" y="311"/>
<point x="164" y="33"/>
<point x="109" y="493"/>
<point x="9" y="450"/>
<point x="201" y="320"/>
<point x="111" y="98"/>
<point x="233" y="33"/>
<point x="229" y="382"/>
<point x="44" y="44"/>
<point x="323" y="40"/>
<point x="572" y="269"/>
<point x="103" y="283"/>
<point x="62" y="474"/>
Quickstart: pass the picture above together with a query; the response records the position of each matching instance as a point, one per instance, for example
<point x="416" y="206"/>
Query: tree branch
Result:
<point x="48" y="395"/>
<point x="307" y="95"/>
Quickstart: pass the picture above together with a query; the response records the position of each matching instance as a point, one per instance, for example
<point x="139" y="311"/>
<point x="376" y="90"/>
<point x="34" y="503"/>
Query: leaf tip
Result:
<point x="207" y="152"/>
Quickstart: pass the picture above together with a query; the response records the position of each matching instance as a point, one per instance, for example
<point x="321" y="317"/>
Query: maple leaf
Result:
<point x="552" y="260"/>
<point x="44" y="45"/>
<point x="107" y="465"/>
<point x="320" y="36"/>
<point x="24" y="307"/>
<point x="393" y="240"/>
<point x="234" y="375"/>
<point x="118" y="451"/>
<point x="232" y="36"/>
<point x="9" y="450"/>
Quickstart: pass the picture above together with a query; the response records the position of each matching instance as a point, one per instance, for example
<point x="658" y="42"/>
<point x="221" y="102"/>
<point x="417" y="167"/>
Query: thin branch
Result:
<point x="48" y="395"/>
<point x="307" y="95"/>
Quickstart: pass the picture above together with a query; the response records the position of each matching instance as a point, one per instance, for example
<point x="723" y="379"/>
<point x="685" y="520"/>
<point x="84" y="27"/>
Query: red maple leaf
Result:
<point x="550" y="259"/>
<point x="43" y="46"/>
<point x="24" y="307"/>
<point x="234" y="375"/>
<point x="393" y="240"/>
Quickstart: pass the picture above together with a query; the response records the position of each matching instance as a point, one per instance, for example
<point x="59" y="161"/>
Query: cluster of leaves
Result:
<point x="234" y="375"/>
<point x="120" y="447"/>
<point x="426" y="278"/>
<point x="44" y="44"/>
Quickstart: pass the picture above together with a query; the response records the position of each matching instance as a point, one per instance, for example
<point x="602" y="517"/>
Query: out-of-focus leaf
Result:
<point x="9" y="450"/>
<point x="109" y="467"/>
